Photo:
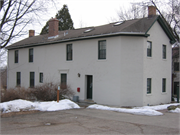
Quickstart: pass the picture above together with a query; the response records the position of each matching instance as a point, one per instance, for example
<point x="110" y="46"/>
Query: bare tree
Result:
<point x="137" y="10"/>
<point x="171" y="13"/>
<point x="15" y="15"/>
<point x="172" y="16"/>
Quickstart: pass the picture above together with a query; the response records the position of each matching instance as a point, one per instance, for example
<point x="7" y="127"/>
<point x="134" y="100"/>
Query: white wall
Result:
<point x="131" y="78"/>
<point x="156" y="67"/>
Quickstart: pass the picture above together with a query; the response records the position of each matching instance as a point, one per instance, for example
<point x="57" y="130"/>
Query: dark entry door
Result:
<point x="89" y="86"/>
<point x="176" y="85"/>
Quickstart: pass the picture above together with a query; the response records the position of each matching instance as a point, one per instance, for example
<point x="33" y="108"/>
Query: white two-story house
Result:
<point x="125" y="63"/>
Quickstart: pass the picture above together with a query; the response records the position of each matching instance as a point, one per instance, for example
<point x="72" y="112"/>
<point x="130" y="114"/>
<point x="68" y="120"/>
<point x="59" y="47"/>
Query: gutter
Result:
<point x="81" y="38"/>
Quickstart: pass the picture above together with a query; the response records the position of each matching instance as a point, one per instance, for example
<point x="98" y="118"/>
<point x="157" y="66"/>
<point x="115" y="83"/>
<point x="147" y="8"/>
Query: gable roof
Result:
<point x="135" y="27"/>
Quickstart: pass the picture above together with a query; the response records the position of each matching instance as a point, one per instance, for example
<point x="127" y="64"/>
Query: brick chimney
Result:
<point x="31" y="33"/>
<point x="151" y="11"/>
<point x="53" y="27"/>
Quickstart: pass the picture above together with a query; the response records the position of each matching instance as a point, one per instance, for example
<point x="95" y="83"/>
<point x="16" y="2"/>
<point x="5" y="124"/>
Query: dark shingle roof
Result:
<point x="130" y="27"/>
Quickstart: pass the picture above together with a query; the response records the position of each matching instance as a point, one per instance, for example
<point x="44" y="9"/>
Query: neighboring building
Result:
<point x="175" y="70"/>
<point x="125" y="63"/>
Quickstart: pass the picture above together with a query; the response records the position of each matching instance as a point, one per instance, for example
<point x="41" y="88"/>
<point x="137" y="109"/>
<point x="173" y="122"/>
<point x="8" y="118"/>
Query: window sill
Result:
<point x="164" y="93"/>
<point x="148" y="57"/>
<point x="69" y="60"/>
<point x="150" y="94"/>
<point x="101" y="60"/>
<point x="164" y="59"/>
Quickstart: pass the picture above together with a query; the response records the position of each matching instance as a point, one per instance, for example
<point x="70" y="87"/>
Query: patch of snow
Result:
<point x="157" y="107"/>
<point x="18" y="105"/>
<point x="175" y="99"/>
<point x="148" y="112"/>
<point x="177" y="110"/>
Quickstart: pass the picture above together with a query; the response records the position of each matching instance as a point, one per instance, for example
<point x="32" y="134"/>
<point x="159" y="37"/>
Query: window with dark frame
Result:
<point x="164" y="85"/>
<point x="63" y="80"/>
<point x="16" y="55"/>
<point x="164" y="51"/>
<point x="149" y="49"/>
<point x="176" y="66"/>
<point x="148" y="85"/>
<point x="41" y="77"/>
<point x="69" y="50"/>
<point x="32" y="75"/>
<point x="31" y="55"/>
<point x="102" y="49"/>
<point x="18" y="79"/>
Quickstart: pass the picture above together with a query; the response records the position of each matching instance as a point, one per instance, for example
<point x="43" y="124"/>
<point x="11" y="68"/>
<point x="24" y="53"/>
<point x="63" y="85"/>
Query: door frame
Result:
<point x="86" y="87"/>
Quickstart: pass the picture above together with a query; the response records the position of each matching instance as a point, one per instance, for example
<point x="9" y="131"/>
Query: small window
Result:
<point x="149" y="49"/>
<point x="148" y="85"/>
<point x="63" y="80"/>
<point x="41" y="77"/>
<point x="69" y="51"/>
<point x="16" y="55"/>
<point x="88" y="30"/>
<point x="102" y="50"/>
<point x="176" y="66"/>
<point x="118" y="23"/>
<point x="32" y="75"/>
<point x="18" y="79"/>
<point x="164" y="85"/>
<point x="164" y="51"/>
<point x="31" y="55"/>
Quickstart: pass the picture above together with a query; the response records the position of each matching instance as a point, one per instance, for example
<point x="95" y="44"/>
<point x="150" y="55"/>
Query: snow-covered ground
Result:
<point x="145" y="110"/>
<point x="18" y="105"/>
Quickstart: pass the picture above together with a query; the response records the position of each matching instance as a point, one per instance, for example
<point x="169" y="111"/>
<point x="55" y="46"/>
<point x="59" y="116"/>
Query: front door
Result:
<point x="89" y="86"/>
<point x="176" y="86"/>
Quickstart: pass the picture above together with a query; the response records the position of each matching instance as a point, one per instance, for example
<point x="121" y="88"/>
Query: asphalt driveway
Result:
<point x="90" y="121"/>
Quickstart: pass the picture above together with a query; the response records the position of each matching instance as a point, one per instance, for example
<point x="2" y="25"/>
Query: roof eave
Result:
<point x="81" y="38"/>
<point x="165" y="28"/>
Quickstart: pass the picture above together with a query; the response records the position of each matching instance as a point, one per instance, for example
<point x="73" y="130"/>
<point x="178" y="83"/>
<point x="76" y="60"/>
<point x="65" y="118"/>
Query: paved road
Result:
<point x="90" y="121"/>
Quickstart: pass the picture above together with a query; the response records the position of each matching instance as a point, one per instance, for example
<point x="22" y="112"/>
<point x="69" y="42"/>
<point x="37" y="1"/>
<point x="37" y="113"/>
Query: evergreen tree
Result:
<point x="65" y="21"/>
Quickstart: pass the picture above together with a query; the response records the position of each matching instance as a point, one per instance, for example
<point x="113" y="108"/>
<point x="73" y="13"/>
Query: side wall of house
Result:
<point x="157" y="68"/>
<point x="131" y="59"/>
<point x="51" y="61"/>
<point x="117" y="80"/>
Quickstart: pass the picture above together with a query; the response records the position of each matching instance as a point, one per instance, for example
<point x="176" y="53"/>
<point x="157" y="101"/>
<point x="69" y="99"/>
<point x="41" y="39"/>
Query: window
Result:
<point x="63" y="80"/>
<point x="176" y="66"/>
<point x="164" y="85"/>
<point x="148" y="85"/>
<point x="69" y="51"/>
<point x="32" y="74"/>
<point x="164" y="51"/>
<point x="41" y="77"/>
<point x="18" y="78"/>
<point x="31" y="55"/>
<point x="149" y="49"/>
<point x="16" y="56"/>
<point x="102" y="50"/>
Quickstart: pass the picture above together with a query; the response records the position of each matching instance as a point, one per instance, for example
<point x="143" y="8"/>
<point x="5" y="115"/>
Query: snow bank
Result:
<point x="17" y="105"/>
<point x="148" y="112"/>
<point x="54" y="106"/>
<point x="157" y="107"/>
<point x="177" y="110"/>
